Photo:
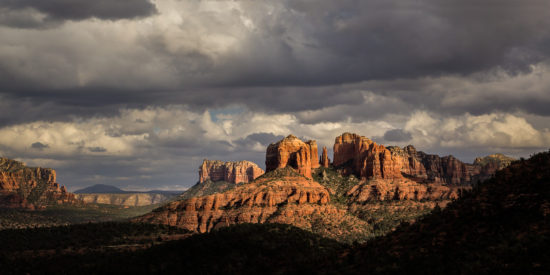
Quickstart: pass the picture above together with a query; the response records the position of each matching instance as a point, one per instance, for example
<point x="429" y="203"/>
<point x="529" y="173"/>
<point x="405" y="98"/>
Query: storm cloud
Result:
<point x="144" y="90"/>
<point x="34" y="13"/>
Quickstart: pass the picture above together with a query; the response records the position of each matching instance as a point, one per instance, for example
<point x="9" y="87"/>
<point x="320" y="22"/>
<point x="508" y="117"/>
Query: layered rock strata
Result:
<point x="258" y="202"/>
<point x="360" y="156"/>
<point x="30" y="187"/>
<point x="364" y="158"/>
<point x="232" y="172"/>
<point x="385" y="190"/>
<point x="293" y="152"/>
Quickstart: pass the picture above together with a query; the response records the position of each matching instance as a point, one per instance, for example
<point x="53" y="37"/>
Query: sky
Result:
<point x="136" y="93"/>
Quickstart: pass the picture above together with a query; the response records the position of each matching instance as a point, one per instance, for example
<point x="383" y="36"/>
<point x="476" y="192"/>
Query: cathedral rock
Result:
<point x="293" y="152"/>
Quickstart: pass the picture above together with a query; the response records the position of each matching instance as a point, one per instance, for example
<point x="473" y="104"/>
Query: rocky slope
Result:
<point x="129" y="199"/>
<point x="232" y="171"/>
<point x="293" y="152"/>
<point x="280" y="196"/>
<point x="501" y="227"/>
<point x="30" y="187"/>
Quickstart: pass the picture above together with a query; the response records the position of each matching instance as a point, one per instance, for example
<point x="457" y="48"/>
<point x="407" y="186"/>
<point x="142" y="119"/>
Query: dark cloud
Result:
<point x="397" y="135"/>
<point x="39" y="146"/>
<point x="97" y="149"/>
<point x="306" y="56"/>
<point x="327" y="64"/>
<point x="61" y="10"/>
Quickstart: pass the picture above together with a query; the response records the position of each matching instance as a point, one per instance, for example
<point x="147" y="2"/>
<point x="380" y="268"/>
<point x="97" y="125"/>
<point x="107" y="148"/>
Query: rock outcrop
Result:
<point x="385" y="190"/>
<point x="131" y="199"/>
<point x="364" y="158"/>
<point x="268" y="197"/>
<point x="232" y="172"/>
<point x="30" y="187"/>
<point x="325" y="161"/>
<point x="293" y="152"/>
<point x="358" y="155"/>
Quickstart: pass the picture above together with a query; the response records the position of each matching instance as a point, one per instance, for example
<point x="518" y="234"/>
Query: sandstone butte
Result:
<point x="362" y="157"/>
<point x="30" y="187"/>
<point x="293" y="152"/>
<point x="267" y="199"/>
<point x="232" y="172"/>
<point x="287" y="193"/>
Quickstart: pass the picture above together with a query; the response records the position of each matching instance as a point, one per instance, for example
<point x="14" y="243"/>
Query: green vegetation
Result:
<point x="88" y="235"/>
<point x="502" y="226"/>
<point x="384" y="217"/>
<point x="207" y="188"/>
<point x="9" y="165"/>
<point x="239" y="249"/>
<point x="337" y="184"/>
<point x="63" y="215"/>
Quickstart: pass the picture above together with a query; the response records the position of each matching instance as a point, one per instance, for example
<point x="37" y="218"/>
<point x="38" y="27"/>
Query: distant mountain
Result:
<point x="126" y="199"/>
<point x="109" y="189"/>
<point x="101" y="189"/>
<point x="108" y="194"/>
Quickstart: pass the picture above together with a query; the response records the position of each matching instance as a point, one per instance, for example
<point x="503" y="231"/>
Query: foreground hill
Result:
<point x="501" y="226"/>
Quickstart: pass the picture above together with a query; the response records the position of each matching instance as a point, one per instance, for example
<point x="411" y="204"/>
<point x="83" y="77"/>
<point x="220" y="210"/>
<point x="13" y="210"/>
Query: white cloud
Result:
<point x="497" y="130"/>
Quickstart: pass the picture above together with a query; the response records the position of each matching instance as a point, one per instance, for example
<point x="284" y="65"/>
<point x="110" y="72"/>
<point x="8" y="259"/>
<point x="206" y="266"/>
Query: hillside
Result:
<point x="501" y="226"/>
<point x="240" y="249"/>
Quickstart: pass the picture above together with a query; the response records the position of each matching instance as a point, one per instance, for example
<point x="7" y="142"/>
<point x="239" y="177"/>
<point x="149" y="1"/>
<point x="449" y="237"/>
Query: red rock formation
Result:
<point x="257" y="202"/>
<point x="383" y="189"/>
<point x="17" y="182"/>
<point x="448" y="169"/>
<point x="232" y="172"/>
<point x="360" y="156"/>
<point x="364" y="158"/>
<point x="292" y="152"/>
<point x="325" y="162"/>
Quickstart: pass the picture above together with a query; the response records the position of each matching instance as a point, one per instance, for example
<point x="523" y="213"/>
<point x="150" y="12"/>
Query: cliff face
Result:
<point x="252" y="203"/>
<point x="27" y="187"/>
<point x="294" y="153"/>
<point x="360" y="156"/>
<point x="364" y="158"/>
<point x="387" y="190"/>
<point x="133" y="199"/>
<point x="232" y="172"/>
